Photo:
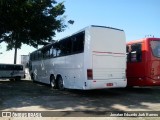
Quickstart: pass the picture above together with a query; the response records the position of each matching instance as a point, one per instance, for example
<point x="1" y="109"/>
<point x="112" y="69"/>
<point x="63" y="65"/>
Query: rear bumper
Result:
<point x="104" y="84"/>
<point x="145" y="81"/>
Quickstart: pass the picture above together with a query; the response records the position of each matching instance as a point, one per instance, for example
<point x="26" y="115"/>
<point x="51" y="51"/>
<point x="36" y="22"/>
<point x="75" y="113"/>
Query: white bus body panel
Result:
<point x="106" y="57"/>
<point x="69" y="67"/>
<point x="12" y="73"/>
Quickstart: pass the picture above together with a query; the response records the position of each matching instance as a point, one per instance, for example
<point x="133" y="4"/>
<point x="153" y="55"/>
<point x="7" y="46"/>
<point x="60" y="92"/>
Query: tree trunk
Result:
<point x="15" y="55"/>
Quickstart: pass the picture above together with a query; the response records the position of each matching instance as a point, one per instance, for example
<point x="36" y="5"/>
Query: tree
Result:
<point x="31" y="22"/>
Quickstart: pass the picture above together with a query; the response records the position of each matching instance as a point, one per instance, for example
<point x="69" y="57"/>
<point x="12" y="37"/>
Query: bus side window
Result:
<point x="3" y="67"/>
<point x="46" y="52"/>
<point x="36" y="55"/>
<point x="78" y="43"/>
<point x="32" y="56"/>
<point x="69" y="46"/>
<point x="54" y="50"/>
<point x="51" y="52"/>
<point x="39" y="55"/>
<point x="58" y="50"/>
<point x="128" y="50"/>
<point x="139" y="53"/>
<point x="63" y="47"/>
<point x="134" y="53"/>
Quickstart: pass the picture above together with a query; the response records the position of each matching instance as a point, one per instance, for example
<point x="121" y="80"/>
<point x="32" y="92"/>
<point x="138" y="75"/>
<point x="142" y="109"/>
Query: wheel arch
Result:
<point x="52" y="75"/>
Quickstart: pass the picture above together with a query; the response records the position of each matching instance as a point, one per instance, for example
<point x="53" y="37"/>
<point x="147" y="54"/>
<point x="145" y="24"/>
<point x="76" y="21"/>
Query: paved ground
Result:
<point x="27" y="96"/>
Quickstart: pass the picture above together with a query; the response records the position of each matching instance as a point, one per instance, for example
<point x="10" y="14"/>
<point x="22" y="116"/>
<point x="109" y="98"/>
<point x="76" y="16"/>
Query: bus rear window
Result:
<point x="155" y="46"/>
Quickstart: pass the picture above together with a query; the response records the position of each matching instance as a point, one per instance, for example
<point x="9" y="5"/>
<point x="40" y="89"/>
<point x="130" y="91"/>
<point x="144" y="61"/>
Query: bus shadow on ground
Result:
<point x="25" y="95"/>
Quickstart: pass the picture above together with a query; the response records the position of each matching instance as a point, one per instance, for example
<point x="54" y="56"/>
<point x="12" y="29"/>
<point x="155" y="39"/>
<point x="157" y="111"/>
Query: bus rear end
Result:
<point x="107" y="59"/>
<point x="19" y="72"/>
<point x="12" y="71"/>
<point x="153" y="66"/>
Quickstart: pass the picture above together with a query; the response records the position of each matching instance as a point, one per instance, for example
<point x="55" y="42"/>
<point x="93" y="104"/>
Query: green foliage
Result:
<point x="30" y="22"/>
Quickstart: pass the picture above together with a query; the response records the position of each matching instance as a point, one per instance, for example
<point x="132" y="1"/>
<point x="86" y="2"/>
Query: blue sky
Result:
<point x="136" y="17"/>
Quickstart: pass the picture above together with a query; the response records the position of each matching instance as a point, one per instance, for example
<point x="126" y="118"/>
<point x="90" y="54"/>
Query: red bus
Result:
<point x="143" y="62"/>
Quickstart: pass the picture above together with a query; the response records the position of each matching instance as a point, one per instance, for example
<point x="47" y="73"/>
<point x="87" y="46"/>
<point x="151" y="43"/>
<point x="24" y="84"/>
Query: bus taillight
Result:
<point x="89" y="74"/>
<point x="152" y="71"/>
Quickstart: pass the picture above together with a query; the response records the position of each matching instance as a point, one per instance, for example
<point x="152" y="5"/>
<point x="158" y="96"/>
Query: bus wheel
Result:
<point x="11" y="79"/>
<point x="32" y="78"/>
<point x="53" y="82"/>
<point x="60" y="83"/>
<point x="129" y="87"/>
<point x="18" y="78"/>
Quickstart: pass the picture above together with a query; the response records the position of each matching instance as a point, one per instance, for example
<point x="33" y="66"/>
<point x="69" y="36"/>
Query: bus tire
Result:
<point x="11" y="79"/>
<point x="60" y="83"/>
<point x="53" y="82"/>
<point x="129" y="87"/>
<point x="17" y="78"/>
<point x="32" y="78"/>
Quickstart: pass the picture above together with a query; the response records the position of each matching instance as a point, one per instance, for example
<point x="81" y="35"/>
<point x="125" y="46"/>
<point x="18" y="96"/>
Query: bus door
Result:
<point x="40" y="66"/>
<point x="42" y="70"/>
<point x="45" y="65"/>
<point x="135" y="63"/>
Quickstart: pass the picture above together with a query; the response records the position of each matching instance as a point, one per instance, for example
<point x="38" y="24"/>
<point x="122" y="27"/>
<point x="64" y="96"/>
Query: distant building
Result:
<point x="25" y="60"/>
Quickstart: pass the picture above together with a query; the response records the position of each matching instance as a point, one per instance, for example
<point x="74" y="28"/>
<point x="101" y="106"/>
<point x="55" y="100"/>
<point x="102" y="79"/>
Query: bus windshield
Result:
<point x="155" y="46"/>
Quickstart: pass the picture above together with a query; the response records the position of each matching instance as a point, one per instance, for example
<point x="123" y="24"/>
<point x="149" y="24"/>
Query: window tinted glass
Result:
<point x="68" y="46"/>
<point x="155" y="46"/>
<point x="2" y="67"/>
<point x="78" y="43"/>
<point x="11" y="67"/>
<point x="46" y="52"/>
<point x="18" y="67"/>
<point x="134" y="53"/>
<point x="54" y="50"/>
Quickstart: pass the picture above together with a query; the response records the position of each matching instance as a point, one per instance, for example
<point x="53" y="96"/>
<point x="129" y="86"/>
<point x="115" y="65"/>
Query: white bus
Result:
<point x="12" y="71"/>
<point x="93" y="58"/>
